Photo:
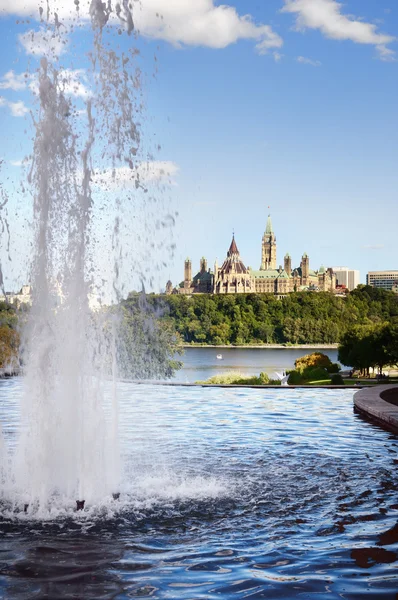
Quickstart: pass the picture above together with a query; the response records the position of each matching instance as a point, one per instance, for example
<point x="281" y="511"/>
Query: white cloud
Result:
<point x="16" y="163"/>
<point x="308" y="61"/>
<point x="180" y="22"/>
<point x="145" y="173"/>
<point x="277" y="56"/>
<point x="11" y="81"/>
<point x="17" y="109"/>
<point x="72" y="82"/>
<point x="326" y="16"/>
<point x="43" y="42"/>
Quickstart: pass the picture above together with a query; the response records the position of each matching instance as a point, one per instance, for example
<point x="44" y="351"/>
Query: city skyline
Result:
<point x="264" y="104"/>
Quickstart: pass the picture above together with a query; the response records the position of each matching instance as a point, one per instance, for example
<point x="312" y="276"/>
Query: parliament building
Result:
<point x="233" y="277"/>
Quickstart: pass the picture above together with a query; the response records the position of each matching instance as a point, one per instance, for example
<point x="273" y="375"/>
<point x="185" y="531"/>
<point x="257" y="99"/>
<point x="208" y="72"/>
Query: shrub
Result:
<point x="334" y="368"/>
<point x="236" y="378"/>
<point x="295" y="378"/>
<point x="264" y="378"/>
<point x="315" y="374"/>
<point x="316" y="359"/>
<point x="337" y="379"/>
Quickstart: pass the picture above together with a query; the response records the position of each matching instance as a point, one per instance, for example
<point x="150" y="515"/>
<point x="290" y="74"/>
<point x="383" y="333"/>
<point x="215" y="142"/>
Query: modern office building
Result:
<point x="347" y="277"/>
<point x="382" y="279"/>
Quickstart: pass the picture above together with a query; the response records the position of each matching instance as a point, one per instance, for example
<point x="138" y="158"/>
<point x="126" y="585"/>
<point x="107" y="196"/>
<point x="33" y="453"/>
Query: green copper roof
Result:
<point x="269" y="229"/>
<point x="322" y="269"/>
<point x="203" y="276"/>
<point x="283" y="275"/>
<point x="287" y="255"/>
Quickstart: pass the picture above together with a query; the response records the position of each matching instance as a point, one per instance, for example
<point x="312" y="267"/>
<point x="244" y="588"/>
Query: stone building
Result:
<point x="284" y="280"/>
<point x="24" y="296"/>
<point x="233" y="277"/>
<point x="201" y="283"/>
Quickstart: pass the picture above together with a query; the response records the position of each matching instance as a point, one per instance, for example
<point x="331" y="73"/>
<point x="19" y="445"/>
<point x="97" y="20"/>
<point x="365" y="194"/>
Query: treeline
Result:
<point x="298" y="318"/>
<point x="9" y="338"/>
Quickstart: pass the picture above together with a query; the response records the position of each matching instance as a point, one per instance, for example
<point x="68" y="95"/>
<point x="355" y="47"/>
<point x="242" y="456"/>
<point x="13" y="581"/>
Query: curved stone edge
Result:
<point x="369" y="403"/>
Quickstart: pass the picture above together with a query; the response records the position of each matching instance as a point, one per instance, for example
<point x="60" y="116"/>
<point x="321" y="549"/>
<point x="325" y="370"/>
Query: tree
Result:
<point x="363" y="347"/>
<point x="146" y="345"/>
<point x="9" y="348"/>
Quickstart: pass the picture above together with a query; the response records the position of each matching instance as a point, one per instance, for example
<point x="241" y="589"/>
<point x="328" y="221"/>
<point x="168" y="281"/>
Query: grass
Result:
<point x="236" y="378"/>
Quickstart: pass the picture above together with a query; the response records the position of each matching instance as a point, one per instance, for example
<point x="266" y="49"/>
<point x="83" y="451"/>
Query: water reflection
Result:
<point x="227" y="493"/>
<point x="60" y="565"/>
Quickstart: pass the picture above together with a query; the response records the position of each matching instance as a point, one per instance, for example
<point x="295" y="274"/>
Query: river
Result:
<point x="199" y="364"/>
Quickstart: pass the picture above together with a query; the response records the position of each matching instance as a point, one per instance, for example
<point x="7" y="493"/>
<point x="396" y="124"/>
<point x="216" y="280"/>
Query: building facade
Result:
<point x="346" y="277"/>
<point x="382" y="279"/>
<point x="233" y="277"/>
<point x="24" y="296"/>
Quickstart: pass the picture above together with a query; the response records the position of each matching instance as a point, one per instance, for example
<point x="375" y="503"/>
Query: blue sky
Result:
<point x="294" y="108"/>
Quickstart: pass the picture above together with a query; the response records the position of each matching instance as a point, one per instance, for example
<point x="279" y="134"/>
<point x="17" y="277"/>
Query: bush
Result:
<point x="315" y="374"/>
<point x="334" y="368"/>
<point x="337" y="379"/>
<point x="295" y="378"/>
<point x="316" y="359"/>
<point x="236" y="378"/>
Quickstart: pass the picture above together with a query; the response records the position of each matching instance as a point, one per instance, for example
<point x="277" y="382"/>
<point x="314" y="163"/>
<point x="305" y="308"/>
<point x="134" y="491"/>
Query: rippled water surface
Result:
<point x="227" y="494"/>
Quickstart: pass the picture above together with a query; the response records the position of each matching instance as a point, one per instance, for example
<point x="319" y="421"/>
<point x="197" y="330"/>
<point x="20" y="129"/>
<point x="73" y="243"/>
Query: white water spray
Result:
<point x="68" y="449"/>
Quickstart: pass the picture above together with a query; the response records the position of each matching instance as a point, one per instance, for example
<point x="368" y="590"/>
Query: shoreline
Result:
<point x="268" y="346"/>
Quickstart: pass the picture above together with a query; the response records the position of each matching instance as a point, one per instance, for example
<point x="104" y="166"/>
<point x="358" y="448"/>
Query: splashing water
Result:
<point x="68" y="448"/>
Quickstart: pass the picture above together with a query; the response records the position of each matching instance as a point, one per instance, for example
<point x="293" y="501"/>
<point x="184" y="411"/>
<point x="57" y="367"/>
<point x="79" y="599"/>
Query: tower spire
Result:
<point x="268" y="229"/>
<point x="268" y="250"/>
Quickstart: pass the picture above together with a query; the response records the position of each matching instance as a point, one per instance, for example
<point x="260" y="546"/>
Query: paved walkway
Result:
<point x="370" y="403"/>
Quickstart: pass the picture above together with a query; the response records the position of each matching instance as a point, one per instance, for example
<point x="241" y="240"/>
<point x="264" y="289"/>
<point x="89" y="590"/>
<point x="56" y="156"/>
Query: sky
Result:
<point x="251" y="107"/>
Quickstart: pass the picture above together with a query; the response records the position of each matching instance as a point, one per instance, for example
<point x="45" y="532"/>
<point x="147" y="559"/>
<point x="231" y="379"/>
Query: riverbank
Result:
<point x="268" y="346"/>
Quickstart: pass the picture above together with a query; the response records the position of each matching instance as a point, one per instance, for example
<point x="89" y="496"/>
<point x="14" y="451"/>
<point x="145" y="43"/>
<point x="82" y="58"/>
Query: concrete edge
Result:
<point x="237" y="385"/>
<point x="369" y="402"/>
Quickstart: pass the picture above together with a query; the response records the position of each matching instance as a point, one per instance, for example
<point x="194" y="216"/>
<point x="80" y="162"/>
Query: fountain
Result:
<point x="67" y="448"/>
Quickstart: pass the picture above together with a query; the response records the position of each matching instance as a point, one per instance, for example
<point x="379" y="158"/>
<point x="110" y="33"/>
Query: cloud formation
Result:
<point x="72" y="82"/>
<point x="157" y="171"/>
<point x="12" y="81"/>
<point x="180" y="22"/>
<point x="308" y="61"/>
<point x="17" y="109"/>
<point x="326" y="15"/>
<point x="43" y="42"/>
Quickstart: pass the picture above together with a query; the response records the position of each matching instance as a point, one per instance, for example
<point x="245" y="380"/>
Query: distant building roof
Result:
<point x="233" y="262"/>
<point x="233" y="249"/>
<point x="300" y="272"/>
<point x="203" y="276"/>
<point x="266" y="274"/>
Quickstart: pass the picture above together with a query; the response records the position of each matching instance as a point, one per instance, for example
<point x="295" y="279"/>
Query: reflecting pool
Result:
<point x="237" y="493"/>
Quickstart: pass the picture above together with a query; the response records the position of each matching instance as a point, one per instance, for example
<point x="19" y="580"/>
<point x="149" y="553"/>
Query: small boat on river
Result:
<point x="219" y="356"/>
